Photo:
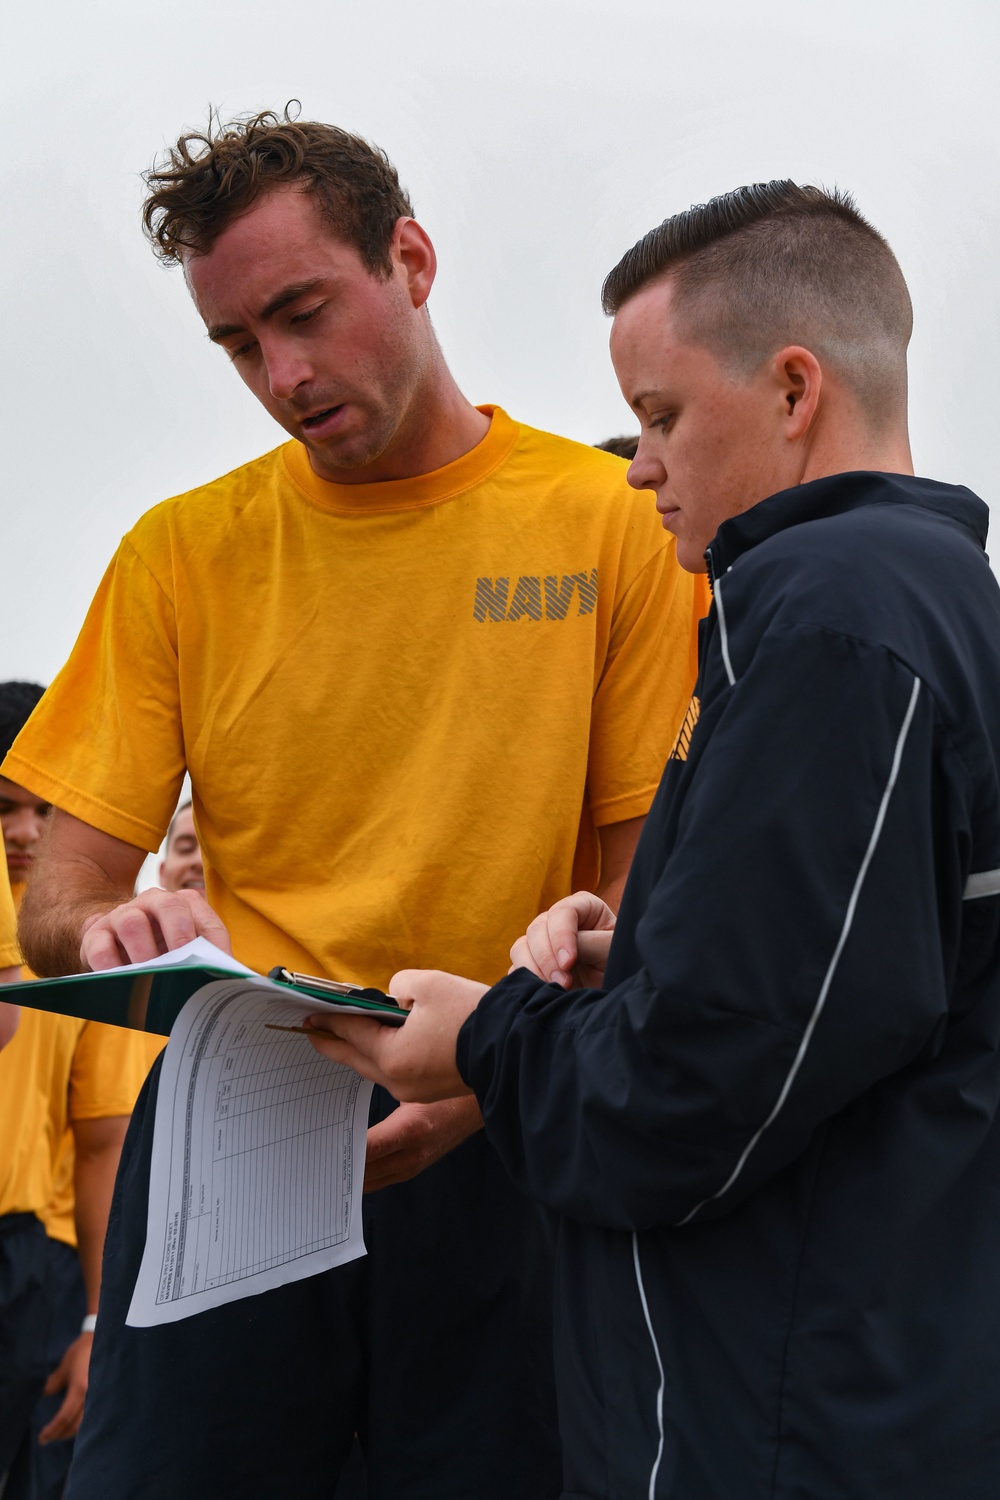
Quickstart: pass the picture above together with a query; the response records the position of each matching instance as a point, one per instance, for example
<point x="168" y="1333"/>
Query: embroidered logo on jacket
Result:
<point x="535" y="598"/>
<point x="683" y="741"/>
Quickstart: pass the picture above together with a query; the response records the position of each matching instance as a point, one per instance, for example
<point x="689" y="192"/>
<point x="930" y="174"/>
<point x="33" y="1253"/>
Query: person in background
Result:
<point x="765" y="1109"/>
<point x="181" y="868"/>
<point x="22" y="814"/>
<point x="355" y="644"/>
<point x="10" y="955"/>
<point x="622" y="447"/>
<point x="66" y="1090"/>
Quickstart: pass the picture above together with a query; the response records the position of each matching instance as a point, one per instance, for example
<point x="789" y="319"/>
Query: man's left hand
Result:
<point x="71" y="1375"/>
<point x="414" y="1137"/>
<point x="415" y="1062"/>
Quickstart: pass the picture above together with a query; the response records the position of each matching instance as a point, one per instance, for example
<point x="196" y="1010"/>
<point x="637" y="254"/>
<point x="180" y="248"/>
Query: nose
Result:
<point x="287" y="369"/>
<point x="646" y="471"/>
<point x="23" y="827"/>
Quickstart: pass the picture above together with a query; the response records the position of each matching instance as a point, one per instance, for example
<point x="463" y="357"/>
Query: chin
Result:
<point x="691" y="556"/>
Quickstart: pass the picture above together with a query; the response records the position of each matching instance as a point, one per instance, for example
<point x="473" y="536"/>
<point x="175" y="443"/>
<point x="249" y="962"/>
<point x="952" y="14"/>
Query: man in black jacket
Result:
<point x="764" y="1104"/>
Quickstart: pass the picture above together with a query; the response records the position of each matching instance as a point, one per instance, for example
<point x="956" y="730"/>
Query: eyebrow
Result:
<point x="287" y="295"/>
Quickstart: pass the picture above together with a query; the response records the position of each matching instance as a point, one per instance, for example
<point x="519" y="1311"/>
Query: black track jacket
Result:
<point x="772" y="1141"/>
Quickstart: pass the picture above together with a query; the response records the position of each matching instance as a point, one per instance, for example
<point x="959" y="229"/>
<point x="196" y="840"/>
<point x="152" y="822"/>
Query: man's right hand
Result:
<point x="568" y="944"/>
<point x="147" y="926"/>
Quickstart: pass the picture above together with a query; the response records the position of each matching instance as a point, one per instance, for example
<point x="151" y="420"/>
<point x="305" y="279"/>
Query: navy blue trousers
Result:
<point x="25" y="1323"/>
<point x="39" y="1473"/>
<point x="435" y="1349"/>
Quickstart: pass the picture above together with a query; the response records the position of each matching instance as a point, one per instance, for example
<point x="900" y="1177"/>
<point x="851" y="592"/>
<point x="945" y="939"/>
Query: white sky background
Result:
<point x="539" y="140"/>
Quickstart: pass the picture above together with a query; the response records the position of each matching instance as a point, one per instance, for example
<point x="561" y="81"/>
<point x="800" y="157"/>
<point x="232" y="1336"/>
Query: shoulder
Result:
<point x="209" y="509"/>
<point x="897" y="574"/>
<point x="906" y="525"/>
<point x="564" y="462"/>
<point x="584" y="490"/>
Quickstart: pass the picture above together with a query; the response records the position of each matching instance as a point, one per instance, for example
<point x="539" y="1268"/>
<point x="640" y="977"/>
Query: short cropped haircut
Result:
<point x="17" y="703"/>
<point x="775" y="264"/>
<point x="211" y="177"/>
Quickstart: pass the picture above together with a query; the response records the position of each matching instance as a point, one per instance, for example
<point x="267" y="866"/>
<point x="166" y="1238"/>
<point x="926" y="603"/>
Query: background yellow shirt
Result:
<point x="57" y="1070"/>
<point x="406" y="707"/>
<point x="60" y="1070"/>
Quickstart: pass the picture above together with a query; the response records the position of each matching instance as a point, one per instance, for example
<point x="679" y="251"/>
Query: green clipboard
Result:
<point x="150" y="997"/>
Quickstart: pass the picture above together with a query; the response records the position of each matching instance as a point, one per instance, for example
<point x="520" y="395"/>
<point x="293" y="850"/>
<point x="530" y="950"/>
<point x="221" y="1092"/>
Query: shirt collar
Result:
<point x="836" y="494"/>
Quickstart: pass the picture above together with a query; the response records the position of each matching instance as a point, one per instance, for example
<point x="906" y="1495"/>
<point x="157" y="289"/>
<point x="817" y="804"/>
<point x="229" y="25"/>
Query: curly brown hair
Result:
<point x="209" y="178"/>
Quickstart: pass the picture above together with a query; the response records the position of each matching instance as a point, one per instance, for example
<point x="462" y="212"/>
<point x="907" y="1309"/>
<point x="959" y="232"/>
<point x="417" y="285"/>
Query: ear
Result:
<point x="414" y="253"/>
<point x="800" y="380"/>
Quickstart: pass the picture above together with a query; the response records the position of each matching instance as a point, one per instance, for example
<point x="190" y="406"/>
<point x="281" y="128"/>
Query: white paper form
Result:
<point x="258" y="1155"/>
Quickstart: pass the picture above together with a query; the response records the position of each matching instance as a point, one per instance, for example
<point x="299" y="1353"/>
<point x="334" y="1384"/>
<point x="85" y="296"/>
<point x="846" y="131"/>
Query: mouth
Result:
<point x="321" y="423"/>
<point x="668" y="513"/>
<point x="192" y="885"/>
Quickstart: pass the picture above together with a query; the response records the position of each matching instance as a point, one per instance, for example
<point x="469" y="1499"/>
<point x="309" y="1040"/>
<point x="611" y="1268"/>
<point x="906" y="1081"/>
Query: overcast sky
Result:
<point x="538" y="140"/>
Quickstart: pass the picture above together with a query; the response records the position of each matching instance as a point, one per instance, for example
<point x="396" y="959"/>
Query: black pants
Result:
<point x="436" y="1349"/>
<point x="25" y="1321"/>
<point x="39" y="1473"/>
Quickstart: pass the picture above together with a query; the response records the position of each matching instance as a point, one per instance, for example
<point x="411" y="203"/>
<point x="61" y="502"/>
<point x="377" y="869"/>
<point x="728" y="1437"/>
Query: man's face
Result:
<point x="22" y="816"/>
<point x="335" y="353"/>
<point x="181" y="868"/>
<point x="712" y="442"/>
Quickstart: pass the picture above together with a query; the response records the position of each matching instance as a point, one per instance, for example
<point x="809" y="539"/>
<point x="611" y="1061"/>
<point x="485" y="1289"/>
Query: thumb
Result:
<point x="58" y="1380"/>
<point x="406" y="986"/>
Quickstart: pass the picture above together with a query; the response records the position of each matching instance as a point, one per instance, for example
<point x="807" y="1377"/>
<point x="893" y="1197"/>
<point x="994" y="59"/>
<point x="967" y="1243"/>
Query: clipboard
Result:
<point x="150" y="996"/>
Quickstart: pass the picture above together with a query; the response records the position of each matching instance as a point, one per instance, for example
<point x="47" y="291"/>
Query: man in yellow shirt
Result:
<point x="57" y="1074"/>
<point x="424" y="665"/>
<point x="66" y="1091"/>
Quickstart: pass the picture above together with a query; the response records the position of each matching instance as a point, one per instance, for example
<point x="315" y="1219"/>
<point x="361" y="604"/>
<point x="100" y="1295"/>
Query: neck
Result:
<point x="439" y="426"/>
<point x="848" y="444"/>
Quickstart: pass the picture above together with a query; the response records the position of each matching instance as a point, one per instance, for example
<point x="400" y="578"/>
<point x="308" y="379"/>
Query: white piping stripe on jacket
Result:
<point x="831" y="970"/>
<point x="651" y="1493"/>
<point x="723" y="635"/>
<point x="985" y="883"/>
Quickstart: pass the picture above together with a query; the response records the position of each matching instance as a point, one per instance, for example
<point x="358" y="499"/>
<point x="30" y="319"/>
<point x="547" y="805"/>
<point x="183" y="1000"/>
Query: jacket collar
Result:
<point x="834" y="495"/>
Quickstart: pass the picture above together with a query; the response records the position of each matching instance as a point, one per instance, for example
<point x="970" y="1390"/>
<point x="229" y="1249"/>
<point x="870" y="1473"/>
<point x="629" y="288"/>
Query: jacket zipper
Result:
<point x="710" y="571"/>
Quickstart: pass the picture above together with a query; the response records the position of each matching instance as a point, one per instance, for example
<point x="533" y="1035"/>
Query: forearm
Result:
<point x="62" y="895"/>
<point x="80" y="875"/>
<point x="610" y="891"/>
<point x="93" y="1184"/>
<point x="618" y="841"/>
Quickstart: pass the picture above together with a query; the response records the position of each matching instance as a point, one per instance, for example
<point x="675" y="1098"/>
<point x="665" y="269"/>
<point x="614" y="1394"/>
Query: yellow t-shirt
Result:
<point x="58" y="1215"/>
<point x="107" y="1066"/>
<point x="406" y="707"/>
<point x="57" y="1070"/>
<point x="10" y="953"/>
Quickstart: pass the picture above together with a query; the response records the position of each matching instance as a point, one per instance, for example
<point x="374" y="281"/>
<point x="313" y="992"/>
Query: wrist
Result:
<point x="89" y="1323"/>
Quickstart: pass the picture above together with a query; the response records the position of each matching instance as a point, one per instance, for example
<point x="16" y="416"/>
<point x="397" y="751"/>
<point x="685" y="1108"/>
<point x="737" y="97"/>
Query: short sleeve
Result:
<point x="645" y="688"/>
<point x="105" y="743"/>
<point x="109" y="1068"/>
<point x="10" y="954"/>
